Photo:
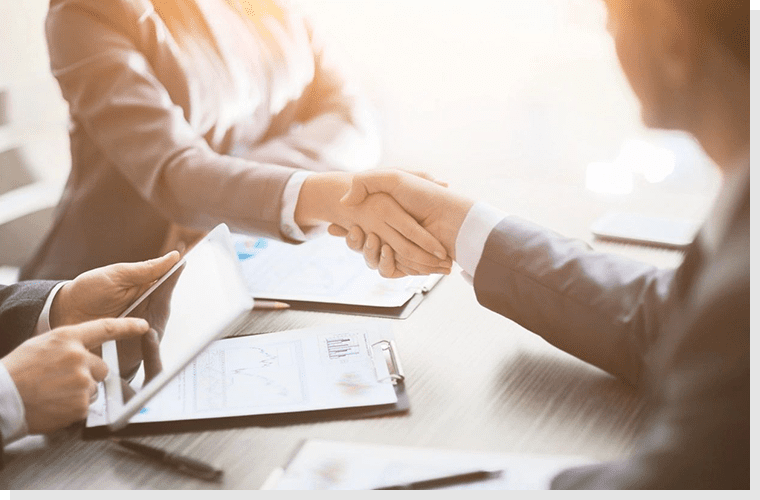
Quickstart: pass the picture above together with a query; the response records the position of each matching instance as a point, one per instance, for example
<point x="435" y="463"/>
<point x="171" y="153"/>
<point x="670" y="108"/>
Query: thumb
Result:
<point x="356" y="194"/>
<point x="93" y="333"/>
<point x="140" y="273"/>
<point x="365" y="184"/>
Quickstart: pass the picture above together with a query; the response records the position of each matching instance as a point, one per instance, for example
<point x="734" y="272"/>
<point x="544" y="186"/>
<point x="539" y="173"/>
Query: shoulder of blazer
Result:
<point x="122" y="14"/>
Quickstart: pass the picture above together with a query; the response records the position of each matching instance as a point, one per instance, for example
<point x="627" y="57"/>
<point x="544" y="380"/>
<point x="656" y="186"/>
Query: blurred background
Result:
<point x="482" y="93"/>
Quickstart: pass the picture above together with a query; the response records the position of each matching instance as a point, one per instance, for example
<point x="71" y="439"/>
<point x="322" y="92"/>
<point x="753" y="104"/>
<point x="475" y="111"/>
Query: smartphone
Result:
<point x="644" y="229"/>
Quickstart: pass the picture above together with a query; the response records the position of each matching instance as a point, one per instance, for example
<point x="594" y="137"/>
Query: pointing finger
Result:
<point x="93" y="333"/>
<point x="337" y="230"/>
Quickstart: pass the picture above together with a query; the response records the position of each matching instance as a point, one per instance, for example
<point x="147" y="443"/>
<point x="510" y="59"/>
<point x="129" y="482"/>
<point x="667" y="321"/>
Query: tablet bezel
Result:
<point x="118" y="413"/>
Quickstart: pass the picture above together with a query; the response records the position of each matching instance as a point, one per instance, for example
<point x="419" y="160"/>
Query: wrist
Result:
<point x="60" y="305"/>
<point x="451" y="222"/>
<point x="319" y="199"/>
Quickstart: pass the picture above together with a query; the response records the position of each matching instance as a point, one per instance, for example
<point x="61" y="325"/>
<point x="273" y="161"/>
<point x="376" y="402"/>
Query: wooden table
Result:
<point x="476" y="381"/>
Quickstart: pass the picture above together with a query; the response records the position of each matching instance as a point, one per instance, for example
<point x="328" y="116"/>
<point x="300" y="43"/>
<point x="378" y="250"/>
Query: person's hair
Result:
<point x="726" y="21"/>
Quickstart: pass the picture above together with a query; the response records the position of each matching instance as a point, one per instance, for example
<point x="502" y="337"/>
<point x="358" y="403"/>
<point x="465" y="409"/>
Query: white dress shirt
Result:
<point x="473" y="234"/>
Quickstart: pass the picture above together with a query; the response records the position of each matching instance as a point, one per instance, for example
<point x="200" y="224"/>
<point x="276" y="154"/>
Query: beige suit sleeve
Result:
<point x="115" y="96"/>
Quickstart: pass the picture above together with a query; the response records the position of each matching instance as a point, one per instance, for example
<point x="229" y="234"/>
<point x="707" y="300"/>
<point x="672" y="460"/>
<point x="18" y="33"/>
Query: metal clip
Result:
<point x="390" y="346"/>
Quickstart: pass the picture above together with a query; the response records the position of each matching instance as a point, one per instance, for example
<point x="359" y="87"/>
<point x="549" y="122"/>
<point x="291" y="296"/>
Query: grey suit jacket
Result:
<point x="20" y="307"/>
<point x="681" y="335"/>
<point x="164" y="131"/>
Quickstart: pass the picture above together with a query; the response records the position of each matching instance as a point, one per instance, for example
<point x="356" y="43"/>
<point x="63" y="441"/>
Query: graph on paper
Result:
<point x="322" y="270"/>
<point x="319" y="368"/>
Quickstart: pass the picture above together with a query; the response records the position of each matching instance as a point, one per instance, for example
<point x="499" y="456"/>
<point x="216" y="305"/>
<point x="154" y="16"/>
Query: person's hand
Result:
<point x="107" y="291"/>
<point x="376" y="213"/>
<point x="155" y="309"/>
<point x="57" y="375"/>
<point x="438" y="210"/>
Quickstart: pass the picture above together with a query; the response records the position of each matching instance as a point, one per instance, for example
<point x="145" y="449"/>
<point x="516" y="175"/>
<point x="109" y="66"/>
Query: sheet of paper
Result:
<point x="335" y="366"/>
<point x="320" y="465"/>
<point x="322" y="270"/>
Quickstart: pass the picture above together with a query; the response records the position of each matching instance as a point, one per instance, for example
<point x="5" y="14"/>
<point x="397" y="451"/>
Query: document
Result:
<point x="322" y="270"/>
<point x="330" y="367"/>
<point x="335" y="465"/>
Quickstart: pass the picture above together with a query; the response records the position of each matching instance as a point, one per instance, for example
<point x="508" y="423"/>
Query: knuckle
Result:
<point x="81" y="378"/>
<point x="109" y="326"/>
<point x="73" y="353"/>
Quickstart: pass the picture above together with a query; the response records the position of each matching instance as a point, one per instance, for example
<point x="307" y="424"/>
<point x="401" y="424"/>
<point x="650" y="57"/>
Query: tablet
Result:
<point x="643" y="229"/>
<point x="201" y="299"/>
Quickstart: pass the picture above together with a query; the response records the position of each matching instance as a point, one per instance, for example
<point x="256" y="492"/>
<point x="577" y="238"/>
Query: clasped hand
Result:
<point x="434" y="211"/>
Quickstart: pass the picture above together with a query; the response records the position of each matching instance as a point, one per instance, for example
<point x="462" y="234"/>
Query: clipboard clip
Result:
<point x="426" y="285"/>
<point x="397" y="375"/>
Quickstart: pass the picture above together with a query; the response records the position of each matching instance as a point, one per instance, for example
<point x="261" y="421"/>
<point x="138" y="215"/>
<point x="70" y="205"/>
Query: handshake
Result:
<point x="404" y="223"/>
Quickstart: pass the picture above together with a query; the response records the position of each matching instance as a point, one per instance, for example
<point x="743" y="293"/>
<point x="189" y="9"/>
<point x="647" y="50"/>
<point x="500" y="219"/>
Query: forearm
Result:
<point x="603" y="309"/>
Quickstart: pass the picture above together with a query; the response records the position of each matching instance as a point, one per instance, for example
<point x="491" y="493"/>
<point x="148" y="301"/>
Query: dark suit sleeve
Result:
<point x="20" y="308"/>
<point x="601" y="308"/>
<point x="685" y="333"/>
<point x="698" y="435"/>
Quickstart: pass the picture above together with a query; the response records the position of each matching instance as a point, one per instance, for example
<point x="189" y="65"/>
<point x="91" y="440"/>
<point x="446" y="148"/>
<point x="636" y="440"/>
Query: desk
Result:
<point x="476" y="381"/>
<point x="508" y="103"/>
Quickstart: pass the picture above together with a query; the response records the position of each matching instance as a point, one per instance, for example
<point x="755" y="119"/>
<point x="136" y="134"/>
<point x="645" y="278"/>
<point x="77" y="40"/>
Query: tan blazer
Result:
<point x="167" y="132"/>
<point x="682" y="336"/>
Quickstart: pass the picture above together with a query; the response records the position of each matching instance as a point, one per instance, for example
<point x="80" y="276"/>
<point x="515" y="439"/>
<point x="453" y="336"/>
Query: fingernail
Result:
<point x="352" y="237"/>
<point x="369" y="244"/>
<point x="440" y="255"/>
<point x="384" y="252"/>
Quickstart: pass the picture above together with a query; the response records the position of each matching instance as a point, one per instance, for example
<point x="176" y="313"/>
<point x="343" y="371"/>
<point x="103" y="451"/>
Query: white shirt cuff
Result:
<point x="43" y="322"/>
<point x="288" y="225"/>
<point x="473" y="234"/>
<point x="12" y="415"/>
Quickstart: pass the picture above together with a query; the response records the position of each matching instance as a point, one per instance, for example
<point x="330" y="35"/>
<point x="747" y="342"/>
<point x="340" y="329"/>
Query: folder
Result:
<point x="325" y="275"/>
<point x="333" y="372"/>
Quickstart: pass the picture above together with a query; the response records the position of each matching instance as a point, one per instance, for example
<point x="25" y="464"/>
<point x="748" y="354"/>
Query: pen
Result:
<point x="187" y="465"/>
<point x="261" y="305"/>
<point x="441" y="482"/>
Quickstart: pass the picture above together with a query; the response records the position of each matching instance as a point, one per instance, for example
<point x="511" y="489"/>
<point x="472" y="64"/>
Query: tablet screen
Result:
<point x="192" y="305"/>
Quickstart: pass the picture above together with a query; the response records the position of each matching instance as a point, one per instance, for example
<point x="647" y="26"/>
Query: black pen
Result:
<point x="187" y="465"/>
<point x="442" y="482"/>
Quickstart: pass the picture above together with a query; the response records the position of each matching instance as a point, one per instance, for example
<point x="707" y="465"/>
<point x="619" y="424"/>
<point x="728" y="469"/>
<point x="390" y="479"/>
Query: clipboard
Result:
<point x="324" y="275"/>
<point x="400" y="312"/>
<point x="395" y="377"/>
